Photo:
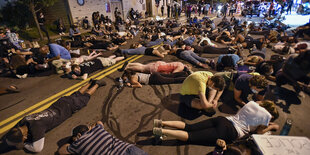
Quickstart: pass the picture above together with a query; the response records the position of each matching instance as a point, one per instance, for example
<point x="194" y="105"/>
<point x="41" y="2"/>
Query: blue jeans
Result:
<point x="171" y="43"/>
<point x="192" y="57"/>
<point x="133" y="150"/>
<point x="136" y="51"/>
<point x="156" y="42"/>
<point x="189" y="40"/>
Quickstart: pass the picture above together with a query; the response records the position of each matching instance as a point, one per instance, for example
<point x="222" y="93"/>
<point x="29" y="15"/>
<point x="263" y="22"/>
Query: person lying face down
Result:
<point x="158" y="66"/>
<point x="254" y="117"/>
<point x="87" y="136"/>
<point x="187" y="53"/>
<point x="135" y="80"/>
<point x="138" y="49"/>
<point x="29" y="133"/>
<point x="82" y="70"/>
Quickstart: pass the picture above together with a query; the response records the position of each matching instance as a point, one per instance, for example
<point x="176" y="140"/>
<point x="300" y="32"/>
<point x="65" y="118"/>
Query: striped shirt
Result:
<point x="98" y="141"/>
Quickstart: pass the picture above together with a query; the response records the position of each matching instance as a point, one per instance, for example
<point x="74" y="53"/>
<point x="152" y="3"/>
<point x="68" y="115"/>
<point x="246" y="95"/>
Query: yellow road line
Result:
<point x="56" y="96"/>
<point x="52" y="97"/>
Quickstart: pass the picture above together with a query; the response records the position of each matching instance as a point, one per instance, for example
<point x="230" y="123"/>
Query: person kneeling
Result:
<point x="196" y="85"/>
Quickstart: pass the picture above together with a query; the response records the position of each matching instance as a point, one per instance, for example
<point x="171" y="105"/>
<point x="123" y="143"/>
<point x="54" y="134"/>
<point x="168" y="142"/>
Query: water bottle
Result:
<point x="286" y="128"/>
<point x="45" y="65"/>
<point x="254" y="47"/>
<point x="121" y="83"/>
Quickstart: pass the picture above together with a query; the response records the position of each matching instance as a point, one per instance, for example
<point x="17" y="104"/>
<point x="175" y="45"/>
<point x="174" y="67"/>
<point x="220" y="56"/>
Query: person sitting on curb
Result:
<point x="29" y="133"/>
<point x="87" y="136"/>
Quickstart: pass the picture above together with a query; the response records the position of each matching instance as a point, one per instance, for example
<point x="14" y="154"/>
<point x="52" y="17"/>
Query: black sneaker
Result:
<point x="186" y="70"/>
<point x="101" y="83"/>
<point x="118" y="52"/>
<point x="232" y="50"/>
<point x="212" y="64"/>
<point x="125" y="55"/>
<point x="92" y="82"/>
<point x="123" y="67"/>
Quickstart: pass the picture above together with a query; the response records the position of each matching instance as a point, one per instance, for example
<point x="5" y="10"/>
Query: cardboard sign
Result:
<point x="282" y="145"/>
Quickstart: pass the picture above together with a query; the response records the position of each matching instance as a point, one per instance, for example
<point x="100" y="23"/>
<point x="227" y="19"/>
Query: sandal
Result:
<point x="13" y="89"/>
<point x="158" y="123"/>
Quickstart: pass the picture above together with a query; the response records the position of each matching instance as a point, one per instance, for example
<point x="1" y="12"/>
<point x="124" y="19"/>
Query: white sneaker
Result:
<point x="63" y="33"/>
<point x="60" y="33"/>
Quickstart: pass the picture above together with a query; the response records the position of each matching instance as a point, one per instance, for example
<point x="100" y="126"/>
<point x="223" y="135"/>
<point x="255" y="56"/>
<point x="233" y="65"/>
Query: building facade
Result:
<point x="105" y="7"/>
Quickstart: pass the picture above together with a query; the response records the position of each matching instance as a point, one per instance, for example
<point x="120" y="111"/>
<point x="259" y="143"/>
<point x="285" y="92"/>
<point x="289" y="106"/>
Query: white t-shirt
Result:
<point x="208" y="40"/>
<point x="249" y="117"/>
<point x="122" y="33"/>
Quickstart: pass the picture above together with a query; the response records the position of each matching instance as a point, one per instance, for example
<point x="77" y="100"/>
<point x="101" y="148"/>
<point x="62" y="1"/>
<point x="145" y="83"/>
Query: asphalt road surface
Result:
<point x="128" y="113"/>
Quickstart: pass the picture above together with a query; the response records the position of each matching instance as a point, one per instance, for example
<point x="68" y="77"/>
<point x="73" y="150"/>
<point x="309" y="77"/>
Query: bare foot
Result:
<point x="301" y="94"/>
<point x="204" y="66"/>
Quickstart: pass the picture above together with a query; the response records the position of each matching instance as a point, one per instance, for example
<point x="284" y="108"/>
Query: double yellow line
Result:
<point x="11" y="121"/>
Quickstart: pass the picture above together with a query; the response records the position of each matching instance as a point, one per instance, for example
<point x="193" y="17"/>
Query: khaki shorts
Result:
<point x="106" y="62"/>
<point x="58" y="63"/>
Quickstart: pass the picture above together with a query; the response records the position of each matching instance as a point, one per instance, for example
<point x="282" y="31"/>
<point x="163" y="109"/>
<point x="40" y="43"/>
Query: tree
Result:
<point x="12" y="13"/>
<point x="35" y="6"/>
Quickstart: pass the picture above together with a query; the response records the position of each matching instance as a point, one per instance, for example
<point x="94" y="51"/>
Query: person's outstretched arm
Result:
<point x="263" y="129"/>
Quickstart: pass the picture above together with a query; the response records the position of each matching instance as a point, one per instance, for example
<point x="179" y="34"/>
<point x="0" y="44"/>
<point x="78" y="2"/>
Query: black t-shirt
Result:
<point x="99" y="44"/>
<point x="242" y="83"/>
<point x="37" y="56"/>
<point x="296" y="68"/>
<point x="259" y="67"/>
<point x="178" y="52"/>
<point x="118" y="41"/>
<point x="39" y="123"/>
<point x="91" y="66"/>
<point x="224" y="37"/>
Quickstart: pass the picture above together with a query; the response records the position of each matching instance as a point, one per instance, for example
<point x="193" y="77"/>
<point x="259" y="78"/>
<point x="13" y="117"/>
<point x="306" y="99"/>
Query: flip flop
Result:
<point x="13" y="89"/>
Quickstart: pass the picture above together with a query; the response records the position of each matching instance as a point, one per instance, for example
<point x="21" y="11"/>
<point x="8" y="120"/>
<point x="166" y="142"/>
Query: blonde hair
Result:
<point x="271" y="108"/>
